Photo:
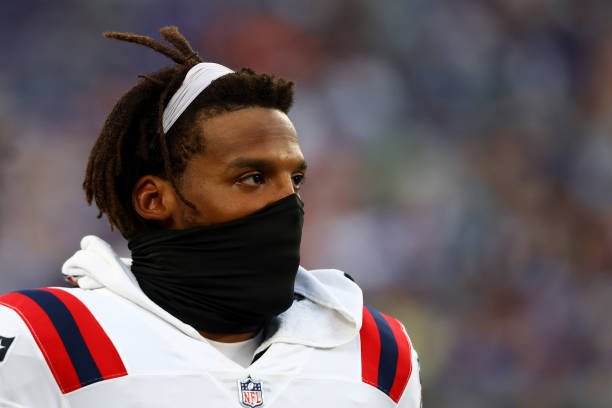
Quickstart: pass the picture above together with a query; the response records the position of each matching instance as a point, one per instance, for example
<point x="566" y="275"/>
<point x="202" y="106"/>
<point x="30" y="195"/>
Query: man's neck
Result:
<point x="228" y="338"/>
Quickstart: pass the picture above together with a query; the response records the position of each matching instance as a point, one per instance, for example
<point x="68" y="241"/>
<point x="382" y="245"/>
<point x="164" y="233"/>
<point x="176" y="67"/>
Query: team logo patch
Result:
<point x="250" y="393"/>
<point x="5" y="343"/>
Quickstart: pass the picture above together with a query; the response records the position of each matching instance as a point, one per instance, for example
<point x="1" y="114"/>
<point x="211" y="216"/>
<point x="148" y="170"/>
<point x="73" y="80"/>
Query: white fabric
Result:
<point x="196" y="80"/>
<point x="313" y="356"/>
<point x="240" y="352"/>
<point x="96" y="266"/>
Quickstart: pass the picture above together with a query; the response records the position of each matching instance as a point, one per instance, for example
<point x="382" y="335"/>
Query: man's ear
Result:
<point x="154" y="198"/>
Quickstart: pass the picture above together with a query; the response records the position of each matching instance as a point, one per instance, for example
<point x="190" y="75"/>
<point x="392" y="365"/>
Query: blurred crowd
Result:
<point x="460" y="164"/>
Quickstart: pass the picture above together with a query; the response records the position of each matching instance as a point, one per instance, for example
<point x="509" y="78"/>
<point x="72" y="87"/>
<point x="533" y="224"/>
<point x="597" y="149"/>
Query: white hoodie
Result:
<point x="312" y="356"/>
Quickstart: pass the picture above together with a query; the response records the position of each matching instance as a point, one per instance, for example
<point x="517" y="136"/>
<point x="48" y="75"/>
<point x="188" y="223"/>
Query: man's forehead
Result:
<point x="253" y="121"/>
<point x="258" y="162"/>
<point x="247" y="130"/>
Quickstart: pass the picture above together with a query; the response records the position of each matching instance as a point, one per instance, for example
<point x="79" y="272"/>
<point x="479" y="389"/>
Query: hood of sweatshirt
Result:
<point x="327" y="314"/>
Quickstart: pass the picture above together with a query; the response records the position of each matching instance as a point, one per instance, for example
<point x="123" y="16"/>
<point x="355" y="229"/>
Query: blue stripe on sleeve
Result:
<point x="80" y="356"/>
<point x="388" y="352"/>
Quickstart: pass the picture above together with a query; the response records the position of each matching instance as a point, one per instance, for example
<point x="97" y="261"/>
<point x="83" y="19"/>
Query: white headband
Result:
<point x="196" y="80"/>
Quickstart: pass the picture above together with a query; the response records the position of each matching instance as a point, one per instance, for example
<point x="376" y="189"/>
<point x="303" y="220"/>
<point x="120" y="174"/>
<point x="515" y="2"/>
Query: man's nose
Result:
<point x="283" y="188"/>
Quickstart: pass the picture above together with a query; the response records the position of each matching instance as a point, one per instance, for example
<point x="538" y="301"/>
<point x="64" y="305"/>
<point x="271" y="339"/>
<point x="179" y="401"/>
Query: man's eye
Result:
<point x="298" y="180"/>
<point x="253" y="180"/>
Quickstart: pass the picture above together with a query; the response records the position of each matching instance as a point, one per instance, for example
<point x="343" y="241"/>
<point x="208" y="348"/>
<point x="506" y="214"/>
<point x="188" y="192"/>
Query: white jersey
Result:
<point x="105" y="344"/>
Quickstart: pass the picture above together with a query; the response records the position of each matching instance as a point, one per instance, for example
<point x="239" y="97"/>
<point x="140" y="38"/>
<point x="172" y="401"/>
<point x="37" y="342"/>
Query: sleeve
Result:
<point x="25" y="378"/>
<point x="411" y="398"/>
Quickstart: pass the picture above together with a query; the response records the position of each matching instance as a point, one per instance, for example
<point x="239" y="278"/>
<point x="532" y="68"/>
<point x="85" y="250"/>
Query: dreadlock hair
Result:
<point x="132" y="143"/>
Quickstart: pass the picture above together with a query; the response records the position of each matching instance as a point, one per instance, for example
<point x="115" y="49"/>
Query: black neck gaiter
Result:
<point x="225" y="278"/>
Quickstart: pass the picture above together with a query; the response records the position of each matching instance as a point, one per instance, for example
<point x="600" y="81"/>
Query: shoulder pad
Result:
<point x="385" y="353"/>
<point x="75" y="346"/>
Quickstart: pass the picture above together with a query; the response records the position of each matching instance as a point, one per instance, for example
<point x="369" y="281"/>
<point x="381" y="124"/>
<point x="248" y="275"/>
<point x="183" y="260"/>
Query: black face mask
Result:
<point x="226" y="278"/>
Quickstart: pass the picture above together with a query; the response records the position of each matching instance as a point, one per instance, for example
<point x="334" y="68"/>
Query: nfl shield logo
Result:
<point x="251" y="394"/>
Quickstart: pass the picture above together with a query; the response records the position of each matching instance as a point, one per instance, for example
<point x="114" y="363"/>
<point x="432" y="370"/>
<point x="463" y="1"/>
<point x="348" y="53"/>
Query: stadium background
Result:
<point x="460" y="160"/>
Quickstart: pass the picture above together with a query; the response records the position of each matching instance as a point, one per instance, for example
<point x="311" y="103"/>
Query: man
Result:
<point x="200" y="169"/>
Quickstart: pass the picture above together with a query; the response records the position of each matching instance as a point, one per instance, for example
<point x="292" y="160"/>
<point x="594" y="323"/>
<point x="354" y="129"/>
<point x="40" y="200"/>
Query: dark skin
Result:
<point x="251" y="158"/>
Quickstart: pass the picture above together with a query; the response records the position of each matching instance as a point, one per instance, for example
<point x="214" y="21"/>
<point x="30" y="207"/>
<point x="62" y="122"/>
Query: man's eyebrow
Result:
<point x="243" y="162"/>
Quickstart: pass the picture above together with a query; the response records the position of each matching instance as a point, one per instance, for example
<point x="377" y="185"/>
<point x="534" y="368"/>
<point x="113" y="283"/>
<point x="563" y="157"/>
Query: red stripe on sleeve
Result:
<point x="47" y="339"/>
<point x="100" y="346"/>
<point x="404" y="359"/>
<point x="370" y="349"/>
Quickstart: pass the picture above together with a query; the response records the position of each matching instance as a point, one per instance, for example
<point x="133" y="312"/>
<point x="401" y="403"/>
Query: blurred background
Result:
<point x="460" y="158"/>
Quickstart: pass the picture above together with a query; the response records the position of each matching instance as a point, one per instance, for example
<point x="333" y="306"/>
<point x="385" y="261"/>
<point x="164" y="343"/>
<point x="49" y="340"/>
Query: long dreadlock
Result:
<point x="132" y="142"/>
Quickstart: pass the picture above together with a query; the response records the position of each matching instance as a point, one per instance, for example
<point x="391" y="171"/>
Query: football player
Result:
<point x="200" y="169"/>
